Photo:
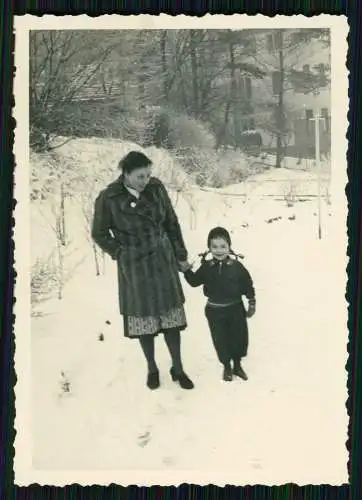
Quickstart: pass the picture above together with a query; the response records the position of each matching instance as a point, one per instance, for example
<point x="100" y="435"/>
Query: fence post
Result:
<point x="318" y="167"/>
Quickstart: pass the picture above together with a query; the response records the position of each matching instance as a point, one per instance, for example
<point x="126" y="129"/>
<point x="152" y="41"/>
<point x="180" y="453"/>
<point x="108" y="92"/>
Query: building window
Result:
<point x="308" y="119"/>
<point x="296" y="38"/>
<point x="274" y="41"/>
<point x="327" y="120"/>
<point x="246" y="87"/>
<point x="251" y="45"/>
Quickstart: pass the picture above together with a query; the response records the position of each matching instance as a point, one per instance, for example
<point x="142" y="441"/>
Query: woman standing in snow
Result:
<point x="225" y="281"/>
<point x="135" y="223"/>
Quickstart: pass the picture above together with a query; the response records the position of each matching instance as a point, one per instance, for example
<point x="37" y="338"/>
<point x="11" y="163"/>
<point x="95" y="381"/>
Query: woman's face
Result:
<point x="138" y="179"/>
<point x="219" y="248"/>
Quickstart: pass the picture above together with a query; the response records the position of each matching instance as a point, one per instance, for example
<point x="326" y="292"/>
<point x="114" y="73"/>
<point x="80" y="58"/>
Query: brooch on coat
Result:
<point x="133" y="204"/>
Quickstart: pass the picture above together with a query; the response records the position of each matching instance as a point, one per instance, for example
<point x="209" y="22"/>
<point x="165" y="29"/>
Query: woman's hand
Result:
<point x="184" y="266"/>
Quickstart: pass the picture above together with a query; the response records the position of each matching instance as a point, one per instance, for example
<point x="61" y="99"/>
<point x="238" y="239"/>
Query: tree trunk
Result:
<point x="221" y="136"/>
<point x="280" y="106"/>
<point x="233" y="95"/>
<point x="184" y="103"/>
<point x="103" y="262"/>
<point x="164" y="63"/>
<point x="195" y="89"/>
<point x="62" y="215"/>
<point x="96" y="261"/>
<point x="58" y="224"/>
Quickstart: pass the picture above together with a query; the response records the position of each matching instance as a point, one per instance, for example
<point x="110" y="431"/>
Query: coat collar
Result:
<point x="227" y="262"/>
<point x="117" y="188"/>
<point x="133" y="192"/>
<point x="127" y="202"/>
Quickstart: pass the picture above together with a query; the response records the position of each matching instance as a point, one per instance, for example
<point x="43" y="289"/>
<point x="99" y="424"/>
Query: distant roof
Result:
<point x="94" y="91"/>
<point x="97" y="91"/>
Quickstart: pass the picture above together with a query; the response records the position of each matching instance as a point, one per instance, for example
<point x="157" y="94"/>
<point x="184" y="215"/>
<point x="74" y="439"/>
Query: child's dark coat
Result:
<point x="224" y="283"/>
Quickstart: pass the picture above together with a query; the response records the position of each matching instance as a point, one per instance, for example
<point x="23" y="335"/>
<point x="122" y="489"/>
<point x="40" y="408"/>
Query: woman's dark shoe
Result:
<point x="227" y="373"/>
<point x="182" y="379"/>
<point x="239" y="372"/>
<point x="153" y="380"/>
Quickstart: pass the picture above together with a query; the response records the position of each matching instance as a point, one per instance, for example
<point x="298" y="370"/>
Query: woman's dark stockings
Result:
<point x="173" y="342"/>
<point x="148" y="348"/>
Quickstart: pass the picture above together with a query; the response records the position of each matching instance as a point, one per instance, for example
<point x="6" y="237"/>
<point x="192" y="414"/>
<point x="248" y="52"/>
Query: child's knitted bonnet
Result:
<point x="219" y="232"/>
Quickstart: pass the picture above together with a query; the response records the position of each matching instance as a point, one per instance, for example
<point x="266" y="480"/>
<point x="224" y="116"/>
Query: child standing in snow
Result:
<point x="225" y="281"/>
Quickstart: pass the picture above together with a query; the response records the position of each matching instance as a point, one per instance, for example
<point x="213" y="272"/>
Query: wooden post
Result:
<point x="316" y="120"/>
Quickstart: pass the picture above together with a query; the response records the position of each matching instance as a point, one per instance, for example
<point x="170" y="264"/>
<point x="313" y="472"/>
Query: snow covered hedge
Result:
<point x="64" y="185"/>
<point x="215" y="168"/>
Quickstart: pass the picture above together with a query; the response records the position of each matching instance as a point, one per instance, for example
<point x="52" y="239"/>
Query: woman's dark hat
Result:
<point x="133" y="161"/>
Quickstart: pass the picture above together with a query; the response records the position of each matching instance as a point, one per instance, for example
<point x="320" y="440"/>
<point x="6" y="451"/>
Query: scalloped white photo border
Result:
<point x="24" y="473"/>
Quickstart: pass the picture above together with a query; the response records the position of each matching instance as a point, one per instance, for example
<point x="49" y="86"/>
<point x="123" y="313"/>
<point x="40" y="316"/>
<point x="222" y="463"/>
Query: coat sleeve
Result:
<point x="101" y="228"/>
<point x="196" y="278"/>
<point x="172" y="227"/>
<point x="248" y="287"/>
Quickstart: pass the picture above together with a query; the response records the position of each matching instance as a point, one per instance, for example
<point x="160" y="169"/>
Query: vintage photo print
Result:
<point x="180" y="250"/>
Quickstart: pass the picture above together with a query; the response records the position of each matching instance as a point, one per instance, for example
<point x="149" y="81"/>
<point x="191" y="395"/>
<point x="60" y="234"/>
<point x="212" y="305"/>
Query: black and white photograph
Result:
<point x="180" y="249"/>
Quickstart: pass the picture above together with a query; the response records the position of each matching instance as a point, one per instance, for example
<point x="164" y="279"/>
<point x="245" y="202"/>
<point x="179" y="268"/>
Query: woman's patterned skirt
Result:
<point x="138" y="326"/>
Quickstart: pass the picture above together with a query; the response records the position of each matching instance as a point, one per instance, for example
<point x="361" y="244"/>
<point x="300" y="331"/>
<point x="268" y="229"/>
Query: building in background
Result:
<point x="306" y="90"/>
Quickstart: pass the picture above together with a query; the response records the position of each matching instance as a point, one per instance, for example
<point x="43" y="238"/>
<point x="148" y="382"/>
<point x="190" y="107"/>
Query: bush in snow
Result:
<point x="52" y="180"/>
<point x="168" y="169"/>
<point x="86" y="199"/>
<point x="66" y="182"/>
<point x="176" y="131"/>
<point x="104" y="119"/>
<point x="185" y="133"/>
<point x="290" y="194"/>
<point x="43" y="281"/>
<point x="50" y="274"/>
<point x="212" y="168"/>
<point x="51" y="184"/>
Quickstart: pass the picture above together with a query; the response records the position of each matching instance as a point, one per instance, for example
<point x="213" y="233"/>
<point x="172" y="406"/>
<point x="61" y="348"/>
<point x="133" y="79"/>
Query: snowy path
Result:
<point x="286" y="422"/>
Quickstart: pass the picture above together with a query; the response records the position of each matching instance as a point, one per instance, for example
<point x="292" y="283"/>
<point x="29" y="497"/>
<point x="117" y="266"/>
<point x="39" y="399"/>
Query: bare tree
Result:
<point x="87" y="206"/>
<point x="61" y="64"/>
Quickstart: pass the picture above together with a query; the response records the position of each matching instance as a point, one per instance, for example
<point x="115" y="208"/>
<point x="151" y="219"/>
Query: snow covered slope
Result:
<point x="92" y="410"/>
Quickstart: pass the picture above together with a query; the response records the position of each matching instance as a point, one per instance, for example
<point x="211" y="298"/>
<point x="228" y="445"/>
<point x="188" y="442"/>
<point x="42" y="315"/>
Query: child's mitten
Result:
<point x="251" y="309"/>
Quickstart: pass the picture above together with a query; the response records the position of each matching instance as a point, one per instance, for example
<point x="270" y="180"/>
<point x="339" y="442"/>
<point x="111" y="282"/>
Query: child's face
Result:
<point x="219" y="248"/>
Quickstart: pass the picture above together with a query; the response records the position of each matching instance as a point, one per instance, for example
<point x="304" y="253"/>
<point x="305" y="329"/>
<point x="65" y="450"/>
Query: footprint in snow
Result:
<point x="161" y="410"/>
<point x="256" y="465"/>
<point x="144" y="439"/>
<point x="169" y="461"/>
<point x="273" y="219"/>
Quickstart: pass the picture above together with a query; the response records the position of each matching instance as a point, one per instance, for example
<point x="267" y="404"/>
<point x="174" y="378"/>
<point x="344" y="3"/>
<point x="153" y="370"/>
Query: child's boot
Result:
<point x="227" y="373"/>
<point x="238" y="371"/>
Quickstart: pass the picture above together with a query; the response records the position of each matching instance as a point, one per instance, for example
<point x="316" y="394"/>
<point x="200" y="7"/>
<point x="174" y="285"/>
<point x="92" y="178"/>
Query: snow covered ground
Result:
<point x="288" y="423"/>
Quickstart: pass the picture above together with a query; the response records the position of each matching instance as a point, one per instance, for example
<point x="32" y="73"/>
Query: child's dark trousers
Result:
<point x="229" y="331"/>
